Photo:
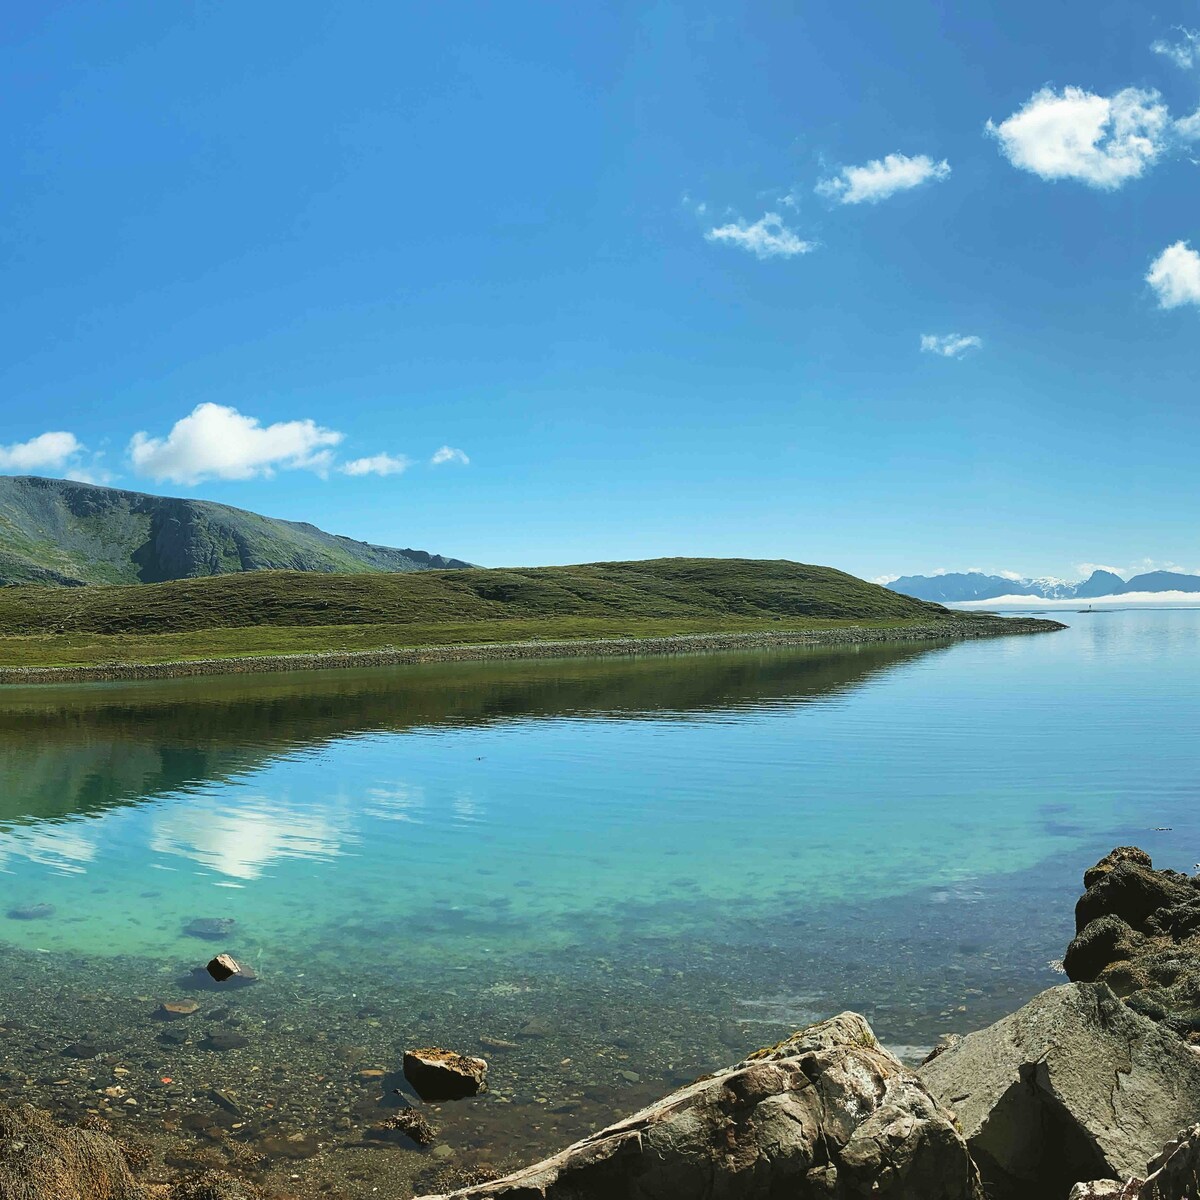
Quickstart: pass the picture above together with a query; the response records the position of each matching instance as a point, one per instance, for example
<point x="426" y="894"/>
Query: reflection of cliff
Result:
<point x="86" y="748"/>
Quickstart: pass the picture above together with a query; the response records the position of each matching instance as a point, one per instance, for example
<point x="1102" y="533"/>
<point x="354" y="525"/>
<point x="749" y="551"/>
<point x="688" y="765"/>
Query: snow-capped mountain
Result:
<point x="958" y="587"/>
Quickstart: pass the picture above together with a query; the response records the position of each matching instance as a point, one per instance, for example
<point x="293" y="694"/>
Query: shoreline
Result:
<point x="948" y="631"/>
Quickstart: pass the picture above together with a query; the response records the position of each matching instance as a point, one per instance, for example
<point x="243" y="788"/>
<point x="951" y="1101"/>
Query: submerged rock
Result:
<point x="212" y="929"/>
<point x="1137" y="931"/>
<point x="40" y="1160"/>
<point x="31" y="912"/>
<point x="214" y="1185"/>
<point x="437" y="1074"/>
<point x="175" y="1010"/>
<point x="1074" y="1086"/>
<point x="828" y="1113"/>
<point x="226" y="969"/>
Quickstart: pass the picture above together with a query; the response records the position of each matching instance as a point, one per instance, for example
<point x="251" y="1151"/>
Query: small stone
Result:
<point x="442" y="1151"/>
<point x="631" y="1077"/>
<point x="80" y="1050"/>
<point x="211" y="929"/>
<point x="224" y="1039"/>
<point x="438" y="1074"/>
<point x="173" y="1010"/>
<point x="222" y="1098"/>
<point x="31" y="912"/>
<point x="490" y="1043"/>
<point x="225" y="968"/>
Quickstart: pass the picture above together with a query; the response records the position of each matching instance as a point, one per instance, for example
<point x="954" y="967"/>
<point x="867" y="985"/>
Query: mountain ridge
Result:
<point x="959" y="587"/>
<point x="61" y="532"/>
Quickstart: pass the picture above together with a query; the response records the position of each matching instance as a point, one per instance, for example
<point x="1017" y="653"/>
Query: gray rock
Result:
<point x="1098" y="1189"/>
<point x="827" y="1113"/>
<point x="1175" y="1173"/>
<point x="1075" y="1086"/>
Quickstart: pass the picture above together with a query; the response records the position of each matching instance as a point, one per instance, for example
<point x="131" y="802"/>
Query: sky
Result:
<point x="889" y="287"/>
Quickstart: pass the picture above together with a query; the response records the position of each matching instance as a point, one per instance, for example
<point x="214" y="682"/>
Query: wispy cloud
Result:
<point x="448" y="454"/>
<point x="1102" y="141"/>
<point x="768" y="237"/>
<point x="881" y="178"/>
<point x="950" y="345"/>
<point x="377" y="464"/>
<point x="1184" y="52"/>
<point x="1175" y="276"/>
<point x="217" y="442"/>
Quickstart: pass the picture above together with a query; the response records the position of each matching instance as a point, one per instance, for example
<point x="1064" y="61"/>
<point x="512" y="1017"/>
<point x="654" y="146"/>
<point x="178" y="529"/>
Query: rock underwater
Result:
<point x="1073" y="1086"/>
<point x="828" y="1113"/>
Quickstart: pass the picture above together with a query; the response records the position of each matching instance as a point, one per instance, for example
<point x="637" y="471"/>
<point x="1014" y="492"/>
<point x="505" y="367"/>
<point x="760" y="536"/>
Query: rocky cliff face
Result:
<point x="56" y="531"/>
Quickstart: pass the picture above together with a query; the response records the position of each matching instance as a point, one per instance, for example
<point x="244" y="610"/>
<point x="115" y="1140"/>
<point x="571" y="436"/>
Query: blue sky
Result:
<point x="647" y="279"/>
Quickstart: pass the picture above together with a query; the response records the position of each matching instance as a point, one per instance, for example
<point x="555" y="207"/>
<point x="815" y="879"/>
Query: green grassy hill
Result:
<point x="277" y="612"/>
<point x="56" y="531"/>
<point x="659" y="588"/>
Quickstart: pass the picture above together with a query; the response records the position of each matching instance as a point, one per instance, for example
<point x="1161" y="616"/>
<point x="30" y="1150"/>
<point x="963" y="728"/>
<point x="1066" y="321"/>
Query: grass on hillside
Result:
<point x="266" y="640"/>
<point x="277" y="612"/>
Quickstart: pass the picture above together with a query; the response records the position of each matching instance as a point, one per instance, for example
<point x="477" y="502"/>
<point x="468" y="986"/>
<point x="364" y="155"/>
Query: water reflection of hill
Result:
<point x="82" y="749"/>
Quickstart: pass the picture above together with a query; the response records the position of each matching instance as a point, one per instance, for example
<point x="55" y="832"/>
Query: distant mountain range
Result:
<point x="55" y="531"/>
<point x="958" y="587"/>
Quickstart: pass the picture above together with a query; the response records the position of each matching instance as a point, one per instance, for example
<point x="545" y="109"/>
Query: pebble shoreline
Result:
<point x="492" y="651"/>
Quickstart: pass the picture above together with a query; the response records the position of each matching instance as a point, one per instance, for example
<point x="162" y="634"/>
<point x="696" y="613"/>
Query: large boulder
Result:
<point x="1138" y="930"/>
<point x="828" y="1113"/>
<point x="1074" y="1086"/>
<point x="40" y="1160"/>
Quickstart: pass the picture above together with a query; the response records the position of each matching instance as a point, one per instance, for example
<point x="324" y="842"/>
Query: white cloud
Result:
<point x="215" y="441"/>
<point x="1102" y="141"/>
<point x="950" y="345"/>
<point x="1175" y="276"/>
<point x="881" y="178"/>
<point x="1184" y="53"/>
<point x="47" y="451"/>
<point x="377" y="464"/>
<point x="448" y="454"/>
<point x="1188" y="128"/>
<point x="1086" y="569"/>
<point x="768" y="237"/>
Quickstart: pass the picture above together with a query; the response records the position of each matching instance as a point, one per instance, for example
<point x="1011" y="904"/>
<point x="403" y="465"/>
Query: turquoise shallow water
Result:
<point x="729" y="844"/>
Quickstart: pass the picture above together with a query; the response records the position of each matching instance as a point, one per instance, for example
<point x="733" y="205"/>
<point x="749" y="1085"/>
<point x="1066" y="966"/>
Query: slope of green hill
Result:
<point x="56" y="531"/>
<point x="271" y="613"/>
<point x="666" y="588"/>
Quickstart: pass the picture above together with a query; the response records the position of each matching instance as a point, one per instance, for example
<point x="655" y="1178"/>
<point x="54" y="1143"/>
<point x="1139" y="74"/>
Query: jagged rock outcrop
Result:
<point x="828" y="1113"/>
<point x="1138" y="930"/>
<point x="1173" y="1175"/>
<point x="40" y="1160"/>
<point x="1073" y="1086"/>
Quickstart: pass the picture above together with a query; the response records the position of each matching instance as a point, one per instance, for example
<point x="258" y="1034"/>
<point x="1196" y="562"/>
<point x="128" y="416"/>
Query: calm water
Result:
<point x="630" y="871"/>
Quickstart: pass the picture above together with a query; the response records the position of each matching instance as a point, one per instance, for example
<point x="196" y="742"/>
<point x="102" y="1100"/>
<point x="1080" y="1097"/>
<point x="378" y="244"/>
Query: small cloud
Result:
<point x="47" y="451"/>
<point x="768" y="237"/>
<point x="1185" y="52"/>
<point x="377" y="464"/>
<point x="1175" y="276"/>
<point x="881" y="178"/>
<point x="1188" y="128"/>
<point x="1087" y="569"/>
<point x="950" y="345"/>
<point x="1013" y="576"/>
<point x="1102" y="141"/>
<point x="215" y="441"/>
<point x="884" y="580"/>
<point x="448" y="454"/>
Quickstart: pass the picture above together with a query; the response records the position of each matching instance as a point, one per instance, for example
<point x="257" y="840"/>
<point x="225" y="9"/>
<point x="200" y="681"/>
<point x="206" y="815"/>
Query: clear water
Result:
<point x="631" y="870"/>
